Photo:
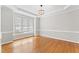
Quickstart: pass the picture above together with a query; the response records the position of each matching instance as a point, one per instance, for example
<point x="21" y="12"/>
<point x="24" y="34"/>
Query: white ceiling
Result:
<point x="34" y="8"/>
<point x="48" y="8"/>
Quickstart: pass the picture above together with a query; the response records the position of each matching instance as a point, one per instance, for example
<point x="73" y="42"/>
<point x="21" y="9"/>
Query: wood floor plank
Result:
<point x="41" y="44"/>
<point x="54" y="45"/>
<point x="7" y="48"/>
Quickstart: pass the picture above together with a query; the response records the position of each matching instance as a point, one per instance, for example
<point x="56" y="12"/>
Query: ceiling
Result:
<point x="33" y="9"/>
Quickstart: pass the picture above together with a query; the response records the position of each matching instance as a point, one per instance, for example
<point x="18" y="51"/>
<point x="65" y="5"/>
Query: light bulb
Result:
<point x="40" y="11"/>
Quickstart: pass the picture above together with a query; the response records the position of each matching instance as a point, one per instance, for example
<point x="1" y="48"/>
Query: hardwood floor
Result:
<point x="7" y="48"/>
<point x="19" y="46"/>
<point x="40" y="44"/>
<point x="45" y="44"/>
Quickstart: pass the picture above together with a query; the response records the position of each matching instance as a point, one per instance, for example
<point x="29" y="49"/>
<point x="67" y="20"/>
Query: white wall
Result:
<point x="64" y="25"/>
<point x="0" y="24"/>
<point x="8" y="14"/>
<point x="24" y="21"/>
<point x="6" y="24"/>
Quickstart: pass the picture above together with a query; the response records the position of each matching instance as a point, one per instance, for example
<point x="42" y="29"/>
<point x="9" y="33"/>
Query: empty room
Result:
<point x="39" y="28"/>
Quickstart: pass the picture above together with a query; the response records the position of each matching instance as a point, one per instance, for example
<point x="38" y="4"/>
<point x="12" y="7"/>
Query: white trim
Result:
<point x="26" y="11"/>
<point x="13" y="33"/>
<point x="56" y="12"/>
<point x="23" y="33"/>
<point x="12" y="40"/>
<point x="7" y="32"/>
<point x="62" y="31"/>
<point x="35" y="26"/>
<point x="15" y="9"/>
<point x="60" y="38"/>
<point x="67" y="6"/>
<point x="61" y="11"/>
<point x="76" y="32"/>
<point x="23" y="13"/>
<point x="7" y="42"/>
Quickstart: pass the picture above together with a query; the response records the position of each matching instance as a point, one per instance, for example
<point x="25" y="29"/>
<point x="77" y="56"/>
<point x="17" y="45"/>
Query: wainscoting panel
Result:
<point x="69" y="36"/>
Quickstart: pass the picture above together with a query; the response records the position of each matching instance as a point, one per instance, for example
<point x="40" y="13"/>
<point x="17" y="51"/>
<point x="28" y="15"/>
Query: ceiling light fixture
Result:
<point x="41" y="11"/>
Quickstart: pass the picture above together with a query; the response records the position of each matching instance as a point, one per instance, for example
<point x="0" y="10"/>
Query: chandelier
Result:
<point x="41" y="11"/>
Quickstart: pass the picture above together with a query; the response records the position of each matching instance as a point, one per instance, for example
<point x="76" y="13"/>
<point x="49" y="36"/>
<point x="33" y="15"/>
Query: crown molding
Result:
<point x="26" y="11"/>
<point x="20" y="10"/>
<point x="61" y="11"/>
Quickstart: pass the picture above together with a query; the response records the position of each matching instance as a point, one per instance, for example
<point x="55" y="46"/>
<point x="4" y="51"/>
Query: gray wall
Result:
<point x="37" y="25"/>
<point x="64" y="25"/>
<point x="8" y="18"/>
<point x="6" y="24"/>
<point x="25" y="21"/>
<point x="0" y="24"/>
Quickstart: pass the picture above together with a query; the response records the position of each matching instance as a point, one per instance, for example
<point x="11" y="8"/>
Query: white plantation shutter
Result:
<point x="23" y="24"/>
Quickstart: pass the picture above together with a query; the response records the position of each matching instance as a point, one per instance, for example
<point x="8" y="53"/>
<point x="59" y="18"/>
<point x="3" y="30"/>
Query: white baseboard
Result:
<point x="62" y="35"/>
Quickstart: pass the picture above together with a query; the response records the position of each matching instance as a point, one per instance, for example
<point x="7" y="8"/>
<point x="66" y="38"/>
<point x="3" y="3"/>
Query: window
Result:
<point x="23" y="24"/>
